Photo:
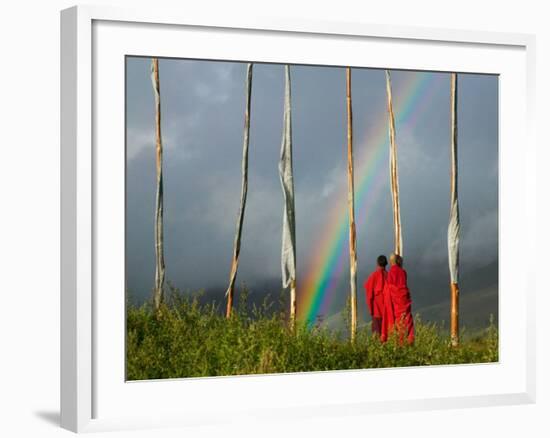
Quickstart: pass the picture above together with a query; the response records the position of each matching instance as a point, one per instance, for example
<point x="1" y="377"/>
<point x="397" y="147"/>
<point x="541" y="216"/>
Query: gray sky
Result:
<point x="203" y="111"/>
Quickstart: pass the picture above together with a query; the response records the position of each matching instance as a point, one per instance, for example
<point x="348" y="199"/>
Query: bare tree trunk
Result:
<point x="351" y="211"/>
<point x="159" y="238"/>
<point x="244" y="190"/>
<point x="394" y="174"/>
<point x="454" y="219"/>
<point x="288" y="252"/>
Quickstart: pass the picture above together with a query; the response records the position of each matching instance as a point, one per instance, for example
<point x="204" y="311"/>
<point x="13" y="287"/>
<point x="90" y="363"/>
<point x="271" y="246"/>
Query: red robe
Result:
<point x="374" y="287"/>
<point x="397" y="306"/>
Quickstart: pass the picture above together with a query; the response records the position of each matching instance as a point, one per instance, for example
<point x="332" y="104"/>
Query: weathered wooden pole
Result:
<point x="244" y="190"/>
<point x="351" y="212"/>
<point x="158" y="294"/>
<point x="454" y="219"/>
<point x="288" y="252"/>
<point x="394" y="175"/>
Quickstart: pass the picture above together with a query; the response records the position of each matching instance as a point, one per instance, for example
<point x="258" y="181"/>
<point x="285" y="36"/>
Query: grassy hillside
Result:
<point x="190" y="339"/>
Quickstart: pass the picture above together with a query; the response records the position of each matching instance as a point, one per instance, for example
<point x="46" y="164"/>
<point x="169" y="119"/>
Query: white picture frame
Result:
<point x="93" y="395"/>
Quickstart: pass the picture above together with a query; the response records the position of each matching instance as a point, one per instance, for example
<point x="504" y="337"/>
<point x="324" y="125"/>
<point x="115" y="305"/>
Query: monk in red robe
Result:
<point x="374" y="288"/>
<point x="397" y="303"/>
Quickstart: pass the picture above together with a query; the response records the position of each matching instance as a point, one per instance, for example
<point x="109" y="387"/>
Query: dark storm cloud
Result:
<point x="202" y="108"/>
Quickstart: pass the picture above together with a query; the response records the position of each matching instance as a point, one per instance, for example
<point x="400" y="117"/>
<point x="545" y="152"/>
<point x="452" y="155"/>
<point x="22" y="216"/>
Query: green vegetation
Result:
<point x="188" y="338"/>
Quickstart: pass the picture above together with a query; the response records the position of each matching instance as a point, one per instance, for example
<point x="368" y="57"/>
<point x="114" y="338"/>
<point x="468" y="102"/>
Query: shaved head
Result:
<point x="396" y="259"/>
<point x="399" y="260"/>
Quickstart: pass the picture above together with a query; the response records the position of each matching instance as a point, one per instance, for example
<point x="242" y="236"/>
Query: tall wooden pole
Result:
<point x="158" y="294"/>
<point x="351" y="212"/>
<point x="454" y="219"/>
<point x="288" y="250"/>
<point x="244" y="190"/>
<point x="394" y="174"/>
<point x="292" y="314"/>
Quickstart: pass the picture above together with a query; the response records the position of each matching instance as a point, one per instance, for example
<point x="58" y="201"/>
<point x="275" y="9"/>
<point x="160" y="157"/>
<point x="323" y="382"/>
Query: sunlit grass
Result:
<point x="192" y="339"/>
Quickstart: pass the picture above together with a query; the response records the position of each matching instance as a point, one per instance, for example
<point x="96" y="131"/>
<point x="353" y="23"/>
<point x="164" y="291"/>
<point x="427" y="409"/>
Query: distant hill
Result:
<point x="477" y="301"/>
<point x="475" y="309"/>
<point x="430" y="294"/>
<point x="431" y="299"/>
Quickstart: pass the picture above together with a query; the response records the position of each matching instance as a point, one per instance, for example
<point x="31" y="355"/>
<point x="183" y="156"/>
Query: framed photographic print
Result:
<point x="266" y="217"/>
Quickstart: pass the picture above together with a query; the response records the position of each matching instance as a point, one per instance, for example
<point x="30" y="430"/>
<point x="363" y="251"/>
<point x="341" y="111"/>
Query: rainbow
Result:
<point x="316" y="290"/>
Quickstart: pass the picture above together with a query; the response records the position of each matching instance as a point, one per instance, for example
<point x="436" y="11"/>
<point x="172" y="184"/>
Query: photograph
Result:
<point x="285" y="218"/>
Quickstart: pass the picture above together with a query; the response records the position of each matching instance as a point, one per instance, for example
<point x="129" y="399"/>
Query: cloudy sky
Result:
<point x="203" y="112"/>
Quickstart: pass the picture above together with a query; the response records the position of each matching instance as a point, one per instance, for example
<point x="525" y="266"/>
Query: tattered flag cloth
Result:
<point x="159" y="238"/>
<point x="454" y="219"/>
<point x="244" y="183"/>
<point x="288" y="253"/>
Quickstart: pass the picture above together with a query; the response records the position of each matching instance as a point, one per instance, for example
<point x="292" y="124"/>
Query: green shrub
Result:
<point x="189" y="339"/>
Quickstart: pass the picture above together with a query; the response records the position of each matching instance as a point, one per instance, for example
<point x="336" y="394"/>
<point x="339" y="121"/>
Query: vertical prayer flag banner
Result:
<point x="351" y="212"/>
<point x="159" y="204"/>
<point x="394" y="174"/>
<point x="244" y="190"/>
<point x="454" y="219"/>
<point x="288" y="251"/>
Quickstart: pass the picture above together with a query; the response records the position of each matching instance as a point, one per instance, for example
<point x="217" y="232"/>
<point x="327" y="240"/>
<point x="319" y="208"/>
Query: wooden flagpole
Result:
<point x="288" y="250"/>
<point x="244" y="190"/>
<point x="394" y="174"/>
<point x="454" y="219"/>
<point x="351" y="211"/>
<point x="158" y="295"/>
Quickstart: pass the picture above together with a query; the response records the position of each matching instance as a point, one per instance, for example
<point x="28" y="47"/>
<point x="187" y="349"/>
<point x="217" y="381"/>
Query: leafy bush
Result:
<point x="187" y="338"/>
